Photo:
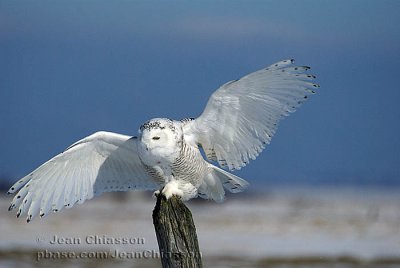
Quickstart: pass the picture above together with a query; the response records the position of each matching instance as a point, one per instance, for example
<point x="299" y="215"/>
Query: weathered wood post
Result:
<point x="176" y="233"/>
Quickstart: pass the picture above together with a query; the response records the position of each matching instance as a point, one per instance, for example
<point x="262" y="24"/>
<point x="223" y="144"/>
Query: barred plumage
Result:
<point x="190" y="165"/>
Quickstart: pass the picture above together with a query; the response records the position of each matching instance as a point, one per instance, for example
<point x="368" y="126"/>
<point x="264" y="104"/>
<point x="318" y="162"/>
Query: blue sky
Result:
<point x="70" y="68"/>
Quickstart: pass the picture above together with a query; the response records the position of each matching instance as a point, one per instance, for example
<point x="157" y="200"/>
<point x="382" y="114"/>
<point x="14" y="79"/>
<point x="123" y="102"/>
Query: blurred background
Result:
<point x="323" y="193"/>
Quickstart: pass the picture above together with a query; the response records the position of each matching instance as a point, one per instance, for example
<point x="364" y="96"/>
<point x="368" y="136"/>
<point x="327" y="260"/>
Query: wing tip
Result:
<point x="11" y="207"/>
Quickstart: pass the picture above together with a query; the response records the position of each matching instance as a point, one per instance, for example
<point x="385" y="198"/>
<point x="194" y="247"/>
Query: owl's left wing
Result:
<point x="242" y="116"/>
<point x="101" y="162"/>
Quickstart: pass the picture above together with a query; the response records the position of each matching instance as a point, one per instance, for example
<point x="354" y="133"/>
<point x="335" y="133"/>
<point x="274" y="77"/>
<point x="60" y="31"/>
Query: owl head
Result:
<point x="160" y="133"/>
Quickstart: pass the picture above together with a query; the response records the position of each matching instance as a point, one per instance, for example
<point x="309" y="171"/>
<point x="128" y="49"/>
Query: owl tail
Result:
<point x="215" y="182"/>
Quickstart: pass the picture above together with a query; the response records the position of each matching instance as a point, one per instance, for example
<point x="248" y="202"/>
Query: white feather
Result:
<point x="81" y="170"/>
<point x="242" y="116"/>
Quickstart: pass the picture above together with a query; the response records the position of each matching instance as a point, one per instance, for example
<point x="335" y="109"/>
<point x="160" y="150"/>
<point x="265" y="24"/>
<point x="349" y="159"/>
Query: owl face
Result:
<point x="159" y="134"/>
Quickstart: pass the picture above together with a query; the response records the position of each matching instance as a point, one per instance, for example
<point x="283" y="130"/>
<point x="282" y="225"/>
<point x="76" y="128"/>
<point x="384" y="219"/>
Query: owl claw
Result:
<point x="156" y="193"/>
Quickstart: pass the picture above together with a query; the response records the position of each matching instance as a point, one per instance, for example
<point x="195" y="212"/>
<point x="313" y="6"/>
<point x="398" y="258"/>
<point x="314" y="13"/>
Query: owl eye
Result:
<point x="156" y="138"/>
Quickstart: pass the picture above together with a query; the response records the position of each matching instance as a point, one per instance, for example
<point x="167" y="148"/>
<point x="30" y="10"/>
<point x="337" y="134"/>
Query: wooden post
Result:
<point x="176" y="233"/>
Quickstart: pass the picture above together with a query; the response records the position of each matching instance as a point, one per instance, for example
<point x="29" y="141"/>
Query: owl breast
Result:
<point x="190" y="165"/>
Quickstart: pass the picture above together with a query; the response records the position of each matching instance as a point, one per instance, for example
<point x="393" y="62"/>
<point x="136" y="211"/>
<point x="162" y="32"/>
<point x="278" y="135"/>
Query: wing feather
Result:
<point x="101" y="162"/>
<point x="241" y="117"/>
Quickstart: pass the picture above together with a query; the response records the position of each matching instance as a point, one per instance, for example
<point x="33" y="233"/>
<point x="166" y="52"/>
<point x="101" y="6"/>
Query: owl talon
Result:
<point x="156" y="194"/>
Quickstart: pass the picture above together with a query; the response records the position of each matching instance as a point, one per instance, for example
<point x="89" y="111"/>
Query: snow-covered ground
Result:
<point x="278" y="226"/>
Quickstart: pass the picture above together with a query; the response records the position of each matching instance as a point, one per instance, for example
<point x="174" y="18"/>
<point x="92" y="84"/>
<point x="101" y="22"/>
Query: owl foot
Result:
<point x="170" y="189"/>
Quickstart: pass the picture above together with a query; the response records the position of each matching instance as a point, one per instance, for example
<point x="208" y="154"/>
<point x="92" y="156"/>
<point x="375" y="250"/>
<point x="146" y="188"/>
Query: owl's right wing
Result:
<point x="101" y="162"/>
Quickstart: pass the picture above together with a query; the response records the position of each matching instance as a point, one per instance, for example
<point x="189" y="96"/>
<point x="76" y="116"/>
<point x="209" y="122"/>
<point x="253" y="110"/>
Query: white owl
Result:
<point x="239" y="120"/>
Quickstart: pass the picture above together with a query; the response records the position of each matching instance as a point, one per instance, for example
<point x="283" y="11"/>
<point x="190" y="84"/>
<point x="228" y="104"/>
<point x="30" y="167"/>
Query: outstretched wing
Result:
<point x="242" y="116"/>
<point x="101" y="162"/>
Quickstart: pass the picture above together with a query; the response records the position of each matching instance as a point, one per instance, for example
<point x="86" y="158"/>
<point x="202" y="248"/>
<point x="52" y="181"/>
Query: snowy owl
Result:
<point x="239" y="120"/>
